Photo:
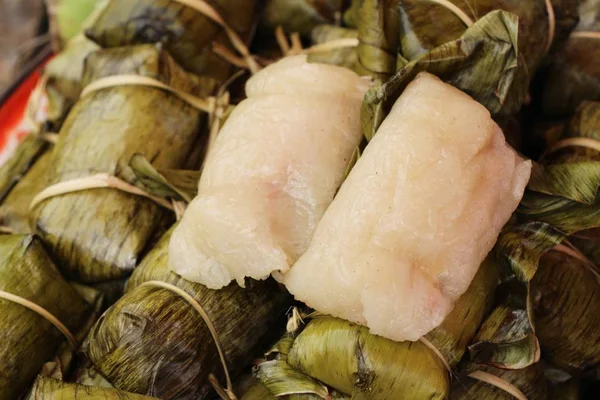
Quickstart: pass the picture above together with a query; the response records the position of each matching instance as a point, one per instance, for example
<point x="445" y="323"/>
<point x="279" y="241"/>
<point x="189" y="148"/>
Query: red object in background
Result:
<point x="13" y="110"/>
<point x="13" y="102"/>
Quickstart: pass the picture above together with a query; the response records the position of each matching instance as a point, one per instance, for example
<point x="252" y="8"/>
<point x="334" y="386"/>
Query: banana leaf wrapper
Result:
<point x="505" y="347"/>
<point x="378" y="33"/>
<point x="100" y="234"/>
<point x="584" y="124"/>
<point x="64" y="73"/>
<point x="344" y="57"/>
<point x="153" y="342"/>
<point x="186" y="33"/>
<point x="427" y="25"/>
<point x="255" y="390"/>
<point x="14" y="209"/>
<point x="54" y="389"/>
<point x="507" y="338"/>
<point x="572" y="76"/>
<point x="300" y="16"/>
<point x="483" y="62"/>
<point x="21" y="161"/>
<point x="346" y="357"/>
<point x="28" y="339"/>
<point x="566" y="300"/>
<point x="560" y="202"/>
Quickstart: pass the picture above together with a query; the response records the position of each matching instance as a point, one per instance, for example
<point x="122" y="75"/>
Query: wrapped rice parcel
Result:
<point x="569" y="169"/>
<point x="100" y="234"/>
<point x="573" y="75"/>
<point x="153" y="341"/>
<point x="551" y="245"/>
<point x="186" y="32"/>
<point x="566" y="302"/>
<point x="427" y="24"/>
<point x="54" y="389"/>
<point x="334" y="353"/>
<point x="32" y="336"/>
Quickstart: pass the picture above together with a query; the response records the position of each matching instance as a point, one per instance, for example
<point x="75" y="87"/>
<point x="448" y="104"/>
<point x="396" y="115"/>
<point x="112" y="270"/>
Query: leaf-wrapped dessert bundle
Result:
<point x="574" y="73"/>
<point x="54" y="389"/>
<point x="186" y="32"/>
<point x="153" y="341"/>
<point x="565" y="293"/>
<point x="32" y="336"/>
<point x="416" y="216"/>
<point x="271" y="173"/>
<point x="100" y="234"/>
<point x="361" y="365"/>
<point x="552" y="244"/>
<point x="428" y="24"/>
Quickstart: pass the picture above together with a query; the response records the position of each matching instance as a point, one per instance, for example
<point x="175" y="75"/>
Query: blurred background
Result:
<point x="29" y="27"/>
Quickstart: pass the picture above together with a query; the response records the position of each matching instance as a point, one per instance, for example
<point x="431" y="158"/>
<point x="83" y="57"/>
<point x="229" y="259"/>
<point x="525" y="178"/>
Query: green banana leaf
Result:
<point x="561" y="202"/>
<point x="14" y="209"/>
<point x="378" y="32"/>
<point x="566" y="300"/>
<point x="64" y="73"/>
<point x="506" y="347"/>
<point x="253" y="389"/>
<point x="483" y="63"/>
<point x="153" y="342"/>
<point x="571" y="77"/>
<point x="300" y="16"/>
<point x="173" y="184"/>
<point x="187" y="34"/>
<point x="346" y="357"/>
<point x="21" y="161"/>
<point x="28" y="339"/>
<point x="344" y="57"/>
<point x="100" y="234"/>
<point x="507" y="338"/>
<point x="54" y="389"/>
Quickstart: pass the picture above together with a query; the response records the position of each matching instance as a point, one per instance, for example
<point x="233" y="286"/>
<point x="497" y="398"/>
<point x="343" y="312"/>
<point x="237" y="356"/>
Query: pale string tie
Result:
<point x="551" y="24"/>
<point x="98" y="181"/>
<point x="588" y="143"/>
<point x="201" y="104"/>
<point x="499" y="383"/>
<point x="585" y="35"/>
<point x="295" y="47"/>
<point x="226" y="394"/>
<point x="42" y="312"/>
<point x="437" y="352"/>
<point x="455" y="9"/>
